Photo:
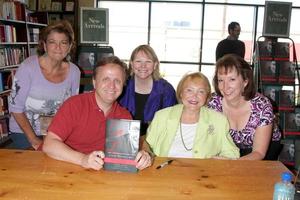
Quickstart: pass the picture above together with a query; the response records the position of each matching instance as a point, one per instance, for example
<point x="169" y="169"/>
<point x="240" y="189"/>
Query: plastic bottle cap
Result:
<point x="286" y="176"/>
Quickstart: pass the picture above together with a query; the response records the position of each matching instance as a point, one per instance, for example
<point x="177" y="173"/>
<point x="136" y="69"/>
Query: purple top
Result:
<point x="261" y="115"/>
<point x="161" y="96"/>
<point x="34" y="95"/>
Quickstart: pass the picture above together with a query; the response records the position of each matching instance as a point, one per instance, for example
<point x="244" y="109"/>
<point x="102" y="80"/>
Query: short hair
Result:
<point x="148" y="50"/>
<point x="191" y="77"/>
<point x="111" y="60"/>
<point x="232" y="25"/>
<point x="59" y="27"/>
<point x="234" y="62"/>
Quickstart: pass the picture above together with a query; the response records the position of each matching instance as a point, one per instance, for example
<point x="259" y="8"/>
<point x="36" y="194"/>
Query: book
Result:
<point x="272" y="92"/>
<point x="286" y="72"/>
<point x="121" y="144"/>
<point x="44" y="5"/>
<point x="282" y="51"/>
<point x="287" y="153"/>
<point x="265" y="49"/>
<point x="292" y="123"/>
<point x="286" y="100"/>
<point x="69" y="6"/>
<point x="56" y="6"/>
<point x="268" y="71"/>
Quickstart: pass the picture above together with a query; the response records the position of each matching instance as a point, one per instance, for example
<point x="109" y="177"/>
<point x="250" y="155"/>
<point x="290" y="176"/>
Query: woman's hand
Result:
<point x="143" y="160"/>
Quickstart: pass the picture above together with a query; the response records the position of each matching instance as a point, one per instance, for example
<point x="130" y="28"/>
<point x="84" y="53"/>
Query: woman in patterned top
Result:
<point x="250" y="114"/>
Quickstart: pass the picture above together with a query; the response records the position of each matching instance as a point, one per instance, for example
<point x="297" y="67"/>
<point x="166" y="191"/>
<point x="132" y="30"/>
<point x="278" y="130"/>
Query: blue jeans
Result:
<point x="19" y="141"/>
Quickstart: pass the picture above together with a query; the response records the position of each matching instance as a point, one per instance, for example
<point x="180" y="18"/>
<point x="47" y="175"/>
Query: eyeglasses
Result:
<point x="55" y="43"/>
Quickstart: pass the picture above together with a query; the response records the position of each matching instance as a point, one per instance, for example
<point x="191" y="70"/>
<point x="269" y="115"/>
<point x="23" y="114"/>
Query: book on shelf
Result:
<point x="56" y="6"/>
<point x="268" y="71"/>
<point x="31" y="5"/>
<point x="121" y="144"/>
<point x="5" y="80"/>
<point x="287" y="154"/>
<point x="52" y="18"/>
<point x="3" y="127"/>
<point x="265" y="50"/>
<point x="44" y="5"/>
<point x="286" y="100"/>
<point x="69" y="6"/>
<point x="34" y="34"/>
<point x="13" y="10"/>
<point x="291" y="123"/>
<point x="286" y="72"/>
<point x="3" y="105"/>
<point x="282" y="51"/>
<point x="272" y="92"/>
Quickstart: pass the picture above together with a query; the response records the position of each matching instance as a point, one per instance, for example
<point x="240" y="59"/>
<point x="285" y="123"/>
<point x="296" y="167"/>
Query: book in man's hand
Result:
<point x="121" y="144"/>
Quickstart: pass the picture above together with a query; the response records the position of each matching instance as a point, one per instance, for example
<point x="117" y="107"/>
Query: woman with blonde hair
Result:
<point x="146" y="91"/>
<point x="190" y="129"/>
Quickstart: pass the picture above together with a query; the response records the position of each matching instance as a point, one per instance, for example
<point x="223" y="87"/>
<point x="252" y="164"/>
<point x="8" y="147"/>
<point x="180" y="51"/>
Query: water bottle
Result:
<point x="284" y="190"/>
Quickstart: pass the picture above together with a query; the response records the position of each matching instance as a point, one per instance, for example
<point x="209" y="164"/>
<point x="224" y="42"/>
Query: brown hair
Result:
<point x="234" y="62"/>
<point x="111" y="60"/>
<point x="191" y="77"/>
<point x="59" y="27"/>
<point x="151" y="54"/>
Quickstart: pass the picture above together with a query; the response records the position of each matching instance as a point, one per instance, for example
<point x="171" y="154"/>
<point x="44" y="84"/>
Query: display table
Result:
<point x="33" y="175"/>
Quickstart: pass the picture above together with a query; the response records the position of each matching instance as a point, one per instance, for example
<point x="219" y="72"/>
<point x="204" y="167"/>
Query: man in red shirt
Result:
<point x="77" y="132"/>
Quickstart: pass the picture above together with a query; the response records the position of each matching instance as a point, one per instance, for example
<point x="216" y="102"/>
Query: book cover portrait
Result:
<point x="121" y="145"/>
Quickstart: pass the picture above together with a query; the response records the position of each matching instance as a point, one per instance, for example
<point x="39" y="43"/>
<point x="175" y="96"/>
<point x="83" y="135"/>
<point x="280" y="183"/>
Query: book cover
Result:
<point x="265" y="49"/>
<point x="282" y="51"/>
<point x="268" y="71"/>
<point x="292" y="123"/>
<point x="272" y="92"/>
<point x="287" y="153"/>
<point x="286" y="72"/>
<point x="286" y="100"/>
<point x="121" y="144"/>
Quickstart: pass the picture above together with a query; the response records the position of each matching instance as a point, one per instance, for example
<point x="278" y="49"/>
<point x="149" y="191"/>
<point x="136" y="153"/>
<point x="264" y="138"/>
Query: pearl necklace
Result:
<point x="188" y="149"/>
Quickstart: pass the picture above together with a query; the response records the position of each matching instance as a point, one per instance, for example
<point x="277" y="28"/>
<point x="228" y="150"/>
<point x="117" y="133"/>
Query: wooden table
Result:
<point x="33" y="175"/>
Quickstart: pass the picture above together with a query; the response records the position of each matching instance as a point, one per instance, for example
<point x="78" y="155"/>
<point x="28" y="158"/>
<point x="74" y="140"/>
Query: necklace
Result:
<point x="183" y="140"/>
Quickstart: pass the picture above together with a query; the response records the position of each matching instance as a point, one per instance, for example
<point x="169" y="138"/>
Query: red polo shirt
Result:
<point x="80" y="123"/>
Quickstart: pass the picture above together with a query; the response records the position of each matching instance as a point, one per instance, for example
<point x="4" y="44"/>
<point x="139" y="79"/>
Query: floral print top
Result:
<point x="261" y="115"/>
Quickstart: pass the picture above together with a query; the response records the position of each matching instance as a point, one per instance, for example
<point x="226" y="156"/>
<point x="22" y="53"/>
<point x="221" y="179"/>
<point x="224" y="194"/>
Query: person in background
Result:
<point x="190" y="129"/>
<point x="77" y="131"/>
<point x="232" y="44"/>
<point x="250" y="114"/>
<point x="41" y="84"/>
<point x="146" y="91"/>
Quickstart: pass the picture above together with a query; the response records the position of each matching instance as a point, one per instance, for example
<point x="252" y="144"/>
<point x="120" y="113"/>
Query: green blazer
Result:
<point x="212" y="133"/>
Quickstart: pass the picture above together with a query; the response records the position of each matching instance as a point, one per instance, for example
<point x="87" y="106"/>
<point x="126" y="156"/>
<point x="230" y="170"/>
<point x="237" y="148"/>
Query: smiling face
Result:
<point x="194" y="94"/>
<point x="231" y="84"/>
<point x="108" y="82"/>
<point x="57" y="46"/>
<point x="143" y="66"/>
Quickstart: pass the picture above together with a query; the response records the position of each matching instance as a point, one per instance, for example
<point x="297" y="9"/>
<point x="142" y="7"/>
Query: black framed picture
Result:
<point x="93" y="25"/>
<point x="277" y="19"/>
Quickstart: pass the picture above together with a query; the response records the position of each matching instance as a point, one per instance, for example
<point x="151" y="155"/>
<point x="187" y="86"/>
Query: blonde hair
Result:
<point x="192" y="77"/>
<point x="146" y="49"/>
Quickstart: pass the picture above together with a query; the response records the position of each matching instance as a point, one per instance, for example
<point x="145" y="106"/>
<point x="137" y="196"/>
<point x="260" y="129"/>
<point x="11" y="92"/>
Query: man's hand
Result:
<point x="143" y="160"/>
<point x="93" y="160"/>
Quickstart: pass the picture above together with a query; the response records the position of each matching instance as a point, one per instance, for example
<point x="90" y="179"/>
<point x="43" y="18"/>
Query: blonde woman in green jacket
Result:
<point x="190" y="129"/>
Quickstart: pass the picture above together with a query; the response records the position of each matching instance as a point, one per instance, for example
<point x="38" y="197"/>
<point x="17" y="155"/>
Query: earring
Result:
<point x="68" y="58"/>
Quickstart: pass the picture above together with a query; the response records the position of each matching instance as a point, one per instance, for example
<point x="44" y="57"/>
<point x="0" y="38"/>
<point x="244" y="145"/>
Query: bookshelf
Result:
<point x="56" y="10"/>
<point x="277" y="77"/>
<point x="19" y="32"/>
